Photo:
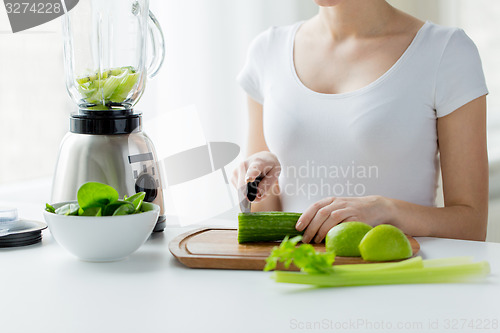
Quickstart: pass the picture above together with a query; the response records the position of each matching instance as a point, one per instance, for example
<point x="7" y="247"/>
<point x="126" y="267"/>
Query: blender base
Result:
<point x="160" y="224"/>
<point x="108" y="147"/>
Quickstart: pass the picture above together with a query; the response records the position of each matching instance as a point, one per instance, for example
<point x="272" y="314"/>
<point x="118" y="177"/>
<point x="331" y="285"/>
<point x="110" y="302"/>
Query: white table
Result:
<point x="45" y="289"/>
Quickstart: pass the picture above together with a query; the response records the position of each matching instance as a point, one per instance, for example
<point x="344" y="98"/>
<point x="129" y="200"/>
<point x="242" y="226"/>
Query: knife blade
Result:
<point x="247" y="193"/>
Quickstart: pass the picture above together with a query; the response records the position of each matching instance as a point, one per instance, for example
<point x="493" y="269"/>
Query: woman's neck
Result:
<point x="355" y="18"/>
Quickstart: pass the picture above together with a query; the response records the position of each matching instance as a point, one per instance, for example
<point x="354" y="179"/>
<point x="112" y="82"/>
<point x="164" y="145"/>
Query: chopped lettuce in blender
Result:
<point x="110" y="86"/>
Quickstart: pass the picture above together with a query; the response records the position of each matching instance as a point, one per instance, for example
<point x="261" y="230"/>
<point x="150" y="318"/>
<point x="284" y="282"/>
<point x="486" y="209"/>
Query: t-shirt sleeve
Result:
<point x="251" y="76"/>
<point x="460" y="77"/>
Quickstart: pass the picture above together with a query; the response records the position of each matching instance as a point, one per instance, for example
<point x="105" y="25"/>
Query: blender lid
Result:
<point x="22" y="233"/>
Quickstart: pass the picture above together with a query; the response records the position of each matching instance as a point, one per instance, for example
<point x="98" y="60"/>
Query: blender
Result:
<point x="105" y="46"/>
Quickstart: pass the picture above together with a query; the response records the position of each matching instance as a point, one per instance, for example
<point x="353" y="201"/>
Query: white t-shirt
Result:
<point x="380" y="139"/>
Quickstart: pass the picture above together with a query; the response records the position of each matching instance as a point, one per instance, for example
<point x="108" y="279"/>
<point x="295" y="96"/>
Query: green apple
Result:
<point x="383" y="243"/>
<point x="344" y="238"/>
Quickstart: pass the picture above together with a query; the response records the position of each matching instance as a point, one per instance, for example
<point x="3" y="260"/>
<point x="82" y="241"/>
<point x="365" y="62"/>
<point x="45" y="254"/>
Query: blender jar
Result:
<point x="105" y="44"/>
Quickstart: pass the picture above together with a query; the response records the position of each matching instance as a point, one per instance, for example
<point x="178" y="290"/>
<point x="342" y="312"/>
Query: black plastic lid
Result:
<point x="23" y="233"/>
<point x="105" y="122"/>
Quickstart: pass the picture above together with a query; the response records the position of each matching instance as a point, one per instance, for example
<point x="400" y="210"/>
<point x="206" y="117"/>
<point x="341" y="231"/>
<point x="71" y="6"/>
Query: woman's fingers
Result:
<point x="263" y="164"/>
<point x="306" y="218"/>
<point x="243" y="175"/>
<point x="267" y="183"/>
<point x="336" y="217"/>
<point x="254" y="171"/>
<point x="269" y="173"/>
<point x="321" y="216"/>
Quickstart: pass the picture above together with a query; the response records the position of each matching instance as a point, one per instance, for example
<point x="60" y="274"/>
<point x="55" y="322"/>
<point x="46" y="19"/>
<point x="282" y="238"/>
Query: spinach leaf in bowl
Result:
<point x="93" y="194"/>
<point x="90" y="211"/>
<point x="136" y="200"/>
<point x="49" y="208"/>
<point x="68" y="209"/>
<point x="119" y="207"/>
<point x="97" y="199"/>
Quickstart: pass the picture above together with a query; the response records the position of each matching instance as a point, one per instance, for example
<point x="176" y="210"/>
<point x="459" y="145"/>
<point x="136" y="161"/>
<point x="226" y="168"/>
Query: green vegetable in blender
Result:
<point x="110" y="86"/>
<point x="97" y="199"/>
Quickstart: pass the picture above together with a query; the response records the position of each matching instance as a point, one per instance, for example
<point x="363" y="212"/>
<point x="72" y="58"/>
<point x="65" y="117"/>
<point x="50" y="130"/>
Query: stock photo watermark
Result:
<point x="312" y="180"/>
<point x="363" y="324"/>
<point x="26" y="14"/>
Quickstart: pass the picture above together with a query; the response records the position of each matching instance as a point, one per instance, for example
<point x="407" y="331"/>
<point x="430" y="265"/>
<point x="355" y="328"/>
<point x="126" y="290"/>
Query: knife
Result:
<point x="247" y="193"/>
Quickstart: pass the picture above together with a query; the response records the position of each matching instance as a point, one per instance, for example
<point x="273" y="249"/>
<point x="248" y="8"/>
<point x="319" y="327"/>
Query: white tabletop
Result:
<point x="45" y="289"/>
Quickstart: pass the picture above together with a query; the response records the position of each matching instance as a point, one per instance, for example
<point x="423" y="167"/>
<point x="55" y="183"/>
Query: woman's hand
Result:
<point x="264" y="164"/>
<point x="323" y="215"/>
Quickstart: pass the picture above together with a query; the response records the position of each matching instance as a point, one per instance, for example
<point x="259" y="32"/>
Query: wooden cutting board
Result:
<point x="219" y="248"/>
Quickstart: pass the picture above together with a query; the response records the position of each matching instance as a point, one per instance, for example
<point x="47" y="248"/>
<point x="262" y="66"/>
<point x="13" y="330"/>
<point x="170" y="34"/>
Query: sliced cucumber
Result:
<point x="266" y="226"/>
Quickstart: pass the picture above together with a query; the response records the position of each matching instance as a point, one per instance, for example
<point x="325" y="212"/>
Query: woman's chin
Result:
<point x="328" y="3"/>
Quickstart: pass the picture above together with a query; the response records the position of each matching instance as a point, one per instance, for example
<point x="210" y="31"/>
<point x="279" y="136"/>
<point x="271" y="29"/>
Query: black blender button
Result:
<point x="146" y="183"/>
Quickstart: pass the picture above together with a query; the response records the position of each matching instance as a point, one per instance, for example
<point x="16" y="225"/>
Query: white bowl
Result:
<point x="102" y="238"/>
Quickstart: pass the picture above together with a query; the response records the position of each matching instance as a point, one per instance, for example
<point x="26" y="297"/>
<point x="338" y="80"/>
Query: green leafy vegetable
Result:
<point x="303" y="256"/>
<point x="94" y="194"/>
<point x="68" y="209"/>
<point x="96" y="199"/>
<point x="124" y="207"/>
<point x="49" y="208"/>
<point x="136" y="200"/>
<point x="91" y="211"/>
<point x="124" y="210"/>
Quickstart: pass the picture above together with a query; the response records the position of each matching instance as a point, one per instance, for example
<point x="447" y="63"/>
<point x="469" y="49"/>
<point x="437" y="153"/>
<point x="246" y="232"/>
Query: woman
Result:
<point x="352" y="112"/>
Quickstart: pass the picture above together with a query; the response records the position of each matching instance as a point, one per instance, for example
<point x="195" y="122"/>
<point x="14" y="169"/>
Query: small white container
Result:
<point x="102" y="238"/>
<point x="8" y="217"/>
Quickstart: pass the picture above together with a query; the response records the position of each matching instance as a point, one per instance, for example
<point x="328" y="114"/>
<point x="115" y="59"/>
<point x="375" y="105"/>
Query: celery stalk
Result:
<point x="448" y="261"/>
<point x="416" y="262"/>
<point x="438" y="274"/>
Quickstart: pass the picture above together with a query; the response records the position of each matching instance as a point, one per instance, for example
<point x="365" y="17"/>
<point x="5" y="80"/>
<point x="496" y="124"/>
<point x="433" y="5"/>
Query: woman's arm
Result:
<point x="464" y="167"/>
<point x="258" y="152"/>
